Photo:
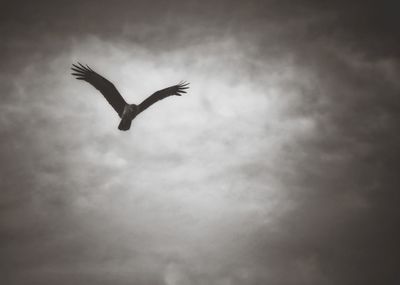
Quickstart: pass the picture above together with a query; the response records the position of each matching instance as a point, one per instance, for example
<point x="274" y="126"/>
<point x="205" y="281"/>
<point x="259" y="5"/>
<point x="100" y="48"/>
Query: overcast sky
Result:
<point x="280" y="166"/>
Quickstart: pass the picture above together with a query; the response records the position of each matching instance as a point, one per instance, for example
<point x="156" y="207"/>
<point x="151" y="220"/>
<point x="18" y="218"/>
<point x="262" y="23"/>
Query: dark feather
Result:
<point x="178" y="90"/>
<point x="100" y="83"/>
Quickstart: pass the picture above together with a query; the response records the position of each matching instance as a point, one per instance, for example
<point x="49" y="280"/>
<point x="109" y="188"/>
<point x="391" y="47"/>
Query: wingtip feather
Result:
<point x="77" y="68"/>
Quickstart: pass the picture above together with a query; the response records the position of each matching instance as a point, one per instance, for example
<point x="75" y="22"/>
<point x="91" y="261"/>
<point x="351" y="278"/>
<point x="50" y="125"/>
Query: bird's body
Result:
<point x="127" y="112"/>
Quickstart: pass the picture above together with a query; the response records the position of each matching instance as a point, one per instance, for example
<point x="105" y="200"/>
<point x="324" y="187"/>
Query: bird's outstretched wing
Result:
<point x="178" y="90"/>
<point x="100" y="83"/>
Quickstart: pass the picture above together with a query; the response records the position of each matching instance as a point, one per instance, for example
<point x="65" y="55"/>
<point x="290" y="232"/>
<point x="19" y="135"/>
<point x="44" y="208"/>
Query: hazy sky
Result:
<point x="280" y="166"/>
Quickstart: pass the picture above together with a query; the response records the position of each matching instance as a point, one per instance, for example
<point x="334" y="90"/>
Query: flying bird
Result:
<point x="127" y="112"/>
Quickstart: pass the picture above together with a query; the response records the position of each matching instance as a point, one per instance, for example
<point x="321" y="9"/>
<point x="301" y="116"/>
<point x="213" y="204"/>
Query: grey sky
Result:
<point x="279" y="166"/>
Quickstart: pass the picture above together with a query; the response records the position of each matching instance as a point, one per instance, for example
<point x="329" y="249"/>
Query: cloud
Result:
<point x="279" y="167"/>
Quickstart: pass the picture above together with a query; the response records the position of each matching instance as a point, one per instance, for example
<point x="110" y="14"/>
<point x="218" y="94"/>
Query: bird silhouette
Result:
<point x="127" y="112"/>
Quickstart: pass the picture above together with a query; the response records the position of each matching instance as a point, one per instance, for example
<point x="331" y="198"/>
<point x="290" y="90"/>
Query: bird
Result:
<point x="127" y="112"/>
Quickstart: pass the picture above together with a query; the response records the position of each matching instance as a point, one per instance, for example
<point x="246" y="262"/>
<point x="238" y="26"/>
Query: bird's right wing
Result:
<point x="103" y="85"/>
<point x="178" y="90"/>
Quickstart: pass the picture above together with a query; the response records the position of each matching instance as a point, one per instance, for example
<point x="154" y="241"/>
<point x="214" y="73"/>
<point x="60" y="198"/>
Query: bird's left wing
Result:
<point x="103" y="85"/>
<point x="178" y="90"/>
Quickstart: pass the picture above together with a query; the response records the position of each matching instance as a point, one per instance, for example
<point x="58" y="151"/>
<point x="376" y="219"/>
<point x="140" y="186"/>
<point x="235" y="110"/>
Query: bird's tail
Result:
<point x="125" y="124"/>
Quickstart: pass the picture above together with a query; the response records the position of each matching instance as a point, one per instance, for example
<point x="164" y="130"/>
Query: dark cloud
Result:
<point x="280" y="167"/>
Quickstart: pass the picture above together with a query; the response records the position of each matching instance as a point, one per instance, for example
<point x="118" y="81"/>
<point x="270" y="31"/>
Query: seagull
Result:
<point x="127" y="112"/>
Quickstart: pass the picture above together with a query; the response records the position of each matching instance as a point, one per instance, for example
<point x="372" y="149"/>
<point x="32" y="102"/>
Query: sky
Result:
<point x="280" y="165"/>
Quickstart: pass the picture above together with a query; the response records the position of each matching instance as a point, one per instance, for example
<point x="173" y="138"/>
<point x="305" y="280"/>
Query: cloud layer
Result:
<point x="279" y="166"/>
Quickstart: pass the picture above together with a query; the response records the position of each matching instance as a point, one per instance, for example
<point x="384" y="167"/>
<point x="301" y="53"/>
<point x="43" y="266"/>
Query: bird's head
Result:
<point x="134" y="108"/>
